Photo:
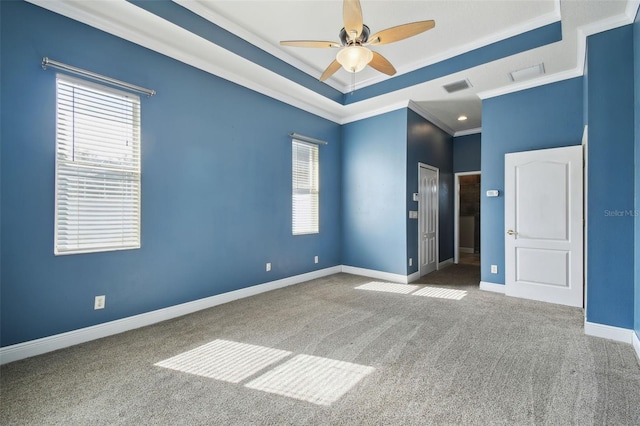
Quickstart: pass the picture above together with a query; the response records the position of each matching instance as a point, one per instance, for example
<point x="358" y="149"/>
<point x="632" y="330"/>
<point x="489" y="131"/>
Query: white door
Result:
<point x="543" y="223"/>
<point x="428" y="218"/>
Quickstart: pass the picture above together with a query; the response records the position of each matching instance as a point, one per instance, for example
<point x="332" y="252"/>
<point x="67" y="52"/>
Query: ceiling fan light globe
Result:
<point x="354" y="58"/>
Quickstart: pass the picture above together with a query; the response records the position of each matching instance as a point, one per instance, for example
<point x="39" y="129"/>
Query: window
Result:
<point x="305" y="195"/>
<point x="97" y="168"/>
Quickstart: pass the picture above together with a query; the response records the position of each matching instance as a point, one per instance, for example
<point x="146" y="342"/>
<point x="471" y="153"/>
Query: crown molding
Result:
<point x="197" y="7"/>
<point x="430" y="117"/>
<point x="529" y="84"/>
<point x="374" y="112"/>
<point x="468" y="132"/>
<point x="611" y="22"/>
<point x="125" y="20"/>
<point x="401" y="105"/>
<point x="604" y="25"/>
<point x="632" y="9"/>
<point x="582" y="33"/>
<point x="532" y="24"/>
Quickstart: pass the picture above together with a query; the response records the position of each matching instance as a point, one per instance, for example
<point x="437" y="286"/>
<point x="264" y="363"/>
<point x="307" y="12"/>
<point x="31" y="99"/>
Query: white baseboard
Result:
<point x="63" y="340"/>
<point x="466" y="250"/>
<point x="636" y="345"/>
<point x="380" y="275"/>
<point x="413" y="277"/>
<point x="618" y="334"/>
<point x="445" y="263"/>
<point x="496" y="288"/>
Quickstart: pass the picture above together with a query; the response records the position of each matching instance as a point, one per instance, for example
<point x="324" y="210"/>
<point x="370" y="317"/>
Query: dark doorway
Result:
<point x="469" y="219"/>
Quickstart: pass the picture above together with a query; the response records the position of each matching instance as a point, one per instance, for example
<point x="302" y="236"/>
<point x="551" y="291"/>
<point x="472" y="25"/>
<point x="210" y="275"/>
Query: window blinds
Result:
<point x="305" y="193"/>
<point x="97" y="168"/>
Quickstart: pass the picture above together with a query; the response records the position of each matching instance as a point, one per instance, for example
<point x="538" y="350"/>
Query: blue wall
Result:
<point x="216" y="185"/>
<point x="216" y="180"/>
<point x="548" y="116"/>
<point x="430" y="145"/>
<point x="636" y="63"/>
<point x="610" y="178"/>
<point x="374" y="189"/>
<point x="467" y="153"/>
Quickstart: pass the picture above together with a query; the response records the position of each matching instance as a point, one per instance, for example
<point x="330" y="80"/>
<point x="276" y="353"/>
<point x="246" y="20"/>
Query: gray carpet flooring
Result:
<point x="484" y="359"/>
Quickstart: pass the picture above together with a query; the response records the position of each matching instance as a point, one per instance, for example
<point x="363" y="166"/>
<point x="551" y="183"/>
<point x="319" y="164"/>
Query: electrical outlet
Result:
<point x="268" y="266"/>
<point x="411" y="261"/>
<point x="99" y="302"/>
<point x="494" y="269"/>
<point x="315" y="259"/>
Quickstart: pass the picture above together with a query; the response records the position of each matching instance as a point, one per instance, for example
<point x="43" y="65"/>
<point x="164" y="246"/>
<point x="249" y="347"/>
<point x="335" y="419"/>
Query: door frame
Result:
<point x="420" y="207"/>
<point x="585" y="228"/>
<point x="456" y="212"/>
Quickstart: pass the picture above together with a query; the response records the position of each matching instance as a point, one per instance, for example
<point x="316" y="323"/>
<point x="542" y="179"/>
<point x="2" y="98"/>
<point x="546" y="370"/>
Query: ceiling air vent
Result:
<point x="527" y="73"/>
<point x="457" y="86"/>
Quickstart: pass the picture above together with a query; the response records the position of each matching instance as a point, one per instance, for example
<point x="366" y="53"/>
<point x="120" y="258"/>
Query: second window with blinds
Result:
<point x="306" y="191"/>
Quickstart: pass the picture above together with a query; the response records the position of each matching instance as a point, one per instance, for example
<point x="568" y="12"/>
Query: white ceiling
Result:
<point x="461" y="26"/>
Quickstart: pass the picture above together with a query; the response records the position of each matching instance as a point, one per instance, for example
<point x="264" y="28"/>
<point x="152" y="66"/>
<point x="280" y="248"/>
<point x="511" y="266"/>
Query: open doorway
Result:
<point x="467" y="218"/>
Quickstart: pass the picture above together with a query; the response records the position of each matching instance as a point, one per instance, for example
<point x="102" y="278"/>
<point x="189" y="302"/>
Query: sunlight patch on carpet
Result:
<point x="225" y="360"/>
<point x="388" y="287"/>
<point x="441" y="293"/>
<point x="310" y="378"/>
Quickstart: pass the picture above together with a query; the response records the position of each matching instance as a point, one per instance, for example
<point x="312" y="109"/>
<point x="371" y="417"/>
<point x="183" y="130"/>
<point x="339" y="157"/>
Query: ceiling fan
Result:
<point x="354" y="55"/>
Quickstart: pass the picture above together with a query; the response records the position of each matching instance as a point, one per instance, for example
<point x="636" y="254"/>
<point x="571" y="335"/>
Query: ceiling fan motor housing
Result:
<point x="362" y="38"/>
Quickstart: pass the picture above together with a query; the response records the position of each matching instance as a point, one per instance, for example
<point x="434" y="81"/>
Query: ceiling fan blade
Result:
<point x="310" y="43"/>
<point x="401" y="32"/>
<point x="352" y="14"/>
<point x="331" y="69"/>
<point x="381" y="64"/>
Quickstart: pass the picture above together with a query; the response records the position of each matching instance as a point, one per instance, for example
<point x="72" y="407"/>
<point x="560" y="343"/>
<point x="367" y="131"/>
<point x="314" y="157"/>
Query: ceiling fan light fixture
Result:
<point x="354" y="36"/>
<point x="354" y="58"/>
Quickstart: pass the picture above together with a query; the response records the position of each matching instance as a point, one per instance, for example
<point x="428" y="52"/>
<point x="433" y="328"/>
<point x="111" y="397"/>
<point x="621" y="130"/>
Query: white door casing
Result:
<point x="428" y="180"/>
<point x="544" y="225"/>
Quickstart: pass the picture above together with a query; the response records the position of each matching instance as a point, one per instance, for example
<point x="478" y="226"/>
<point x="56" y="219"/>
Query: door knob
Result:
<point x="512" y="232"/>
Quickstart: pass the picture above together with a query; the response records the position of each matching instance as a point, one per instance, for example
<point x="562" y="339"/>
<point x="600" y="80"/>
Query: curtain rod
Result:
<point x="307" y="139"/>
<point x="46" y="62"/>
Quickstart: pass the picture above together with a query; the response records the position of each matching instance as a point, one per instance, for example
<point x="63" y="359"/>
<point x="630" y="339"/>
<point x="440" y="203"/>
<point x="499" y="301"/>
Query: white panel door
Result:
<point x="428" y="218"/>
<point x="543" y="199"/>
